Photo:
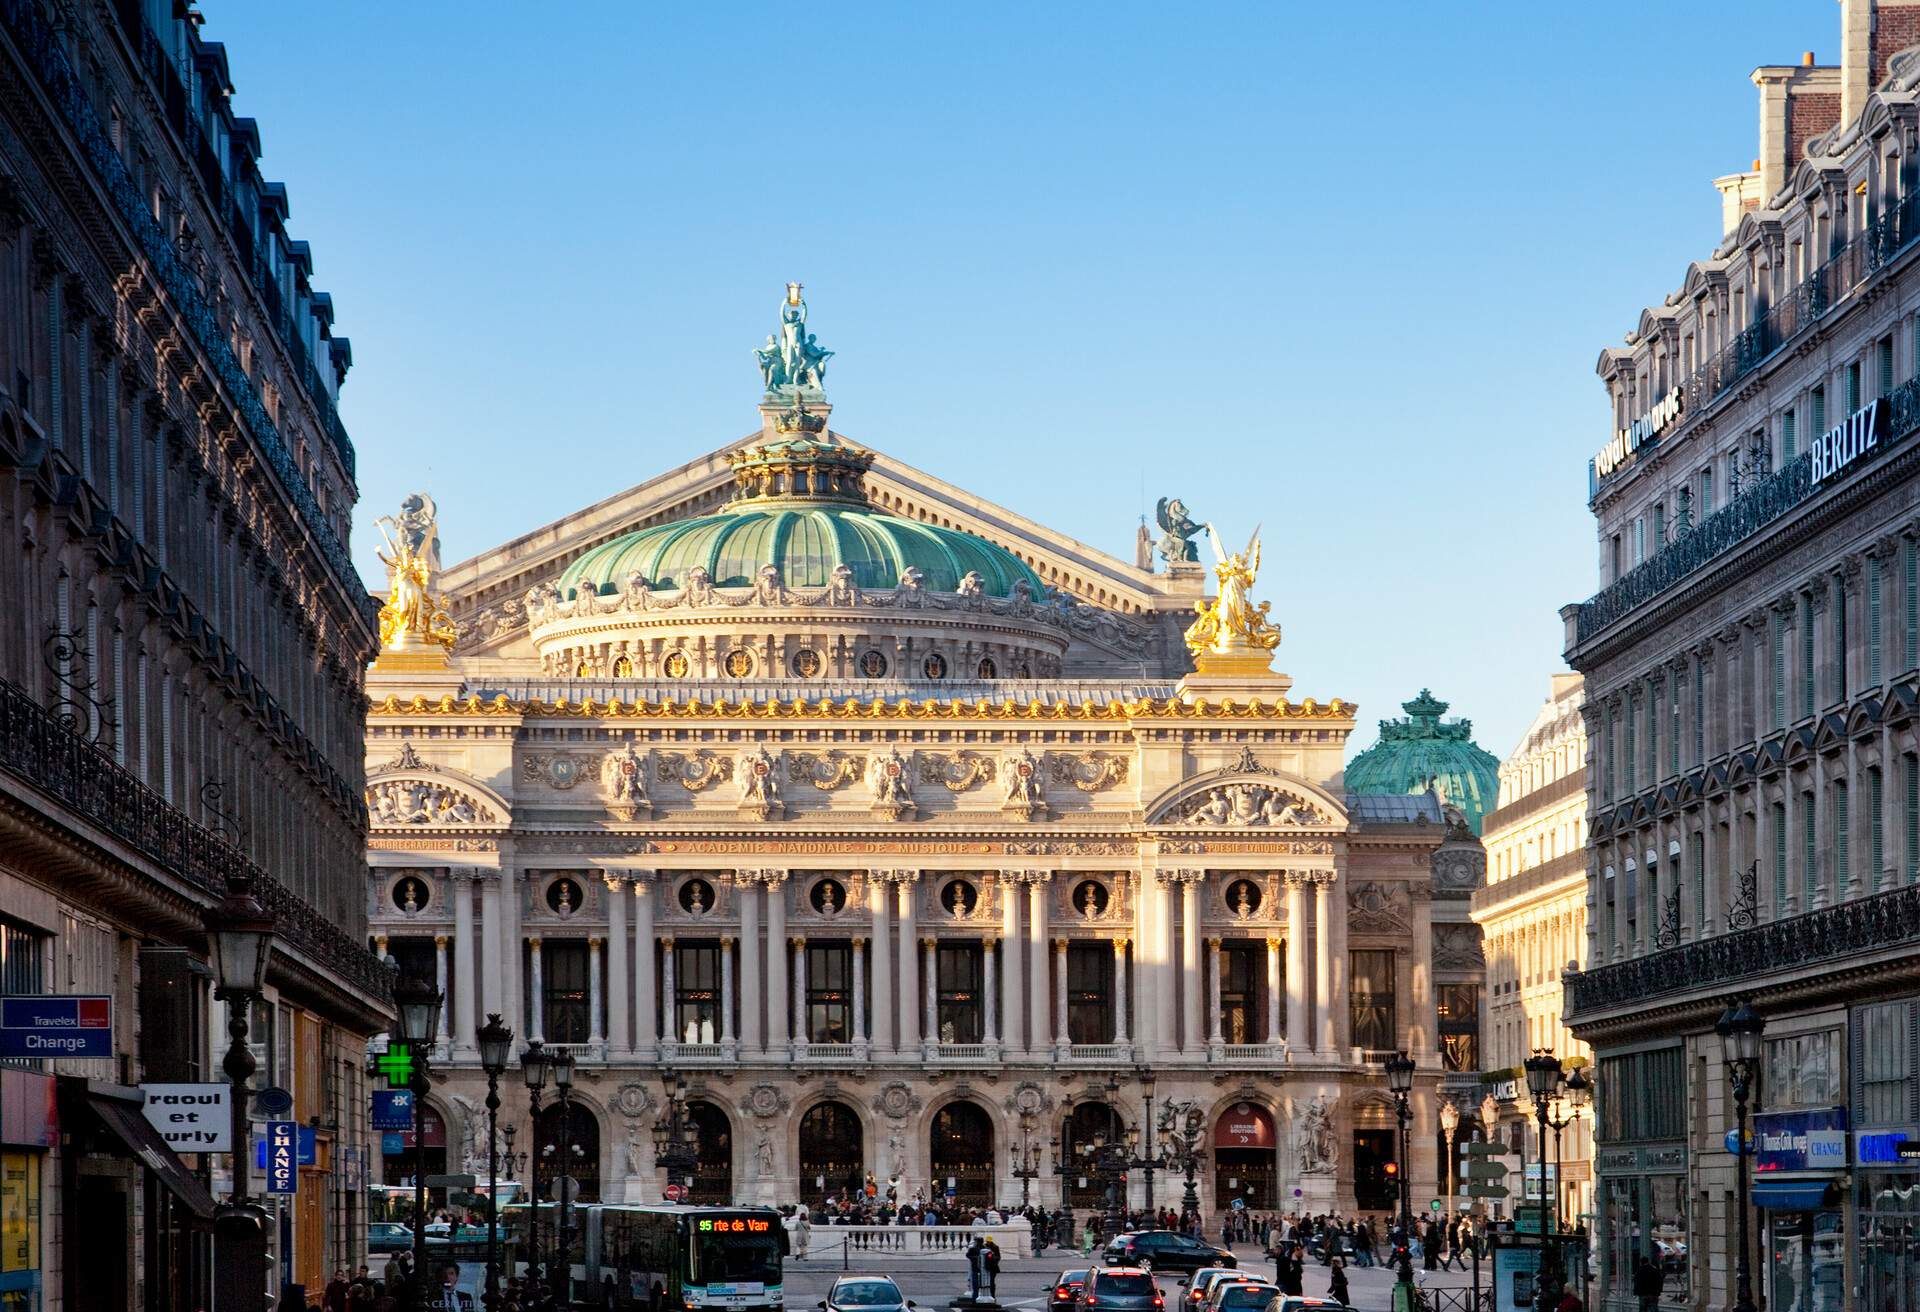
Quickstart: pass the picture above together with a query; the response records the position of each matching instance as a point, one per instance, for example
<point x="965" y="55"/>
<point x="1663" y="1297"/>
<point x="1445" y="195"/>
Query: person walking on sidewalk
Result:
<point x="1337" y="1284"/>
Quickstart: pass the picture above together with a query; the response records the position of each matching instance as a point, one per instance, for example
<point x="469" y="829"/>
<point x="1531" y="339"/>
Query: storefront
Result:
<point x="1799" y="1161"/>
<point x="27" y="1131"/>
<point x="1641" y="1200"/>
<point x="1886" y="1154"/>
<point x="1244" y="1161"/>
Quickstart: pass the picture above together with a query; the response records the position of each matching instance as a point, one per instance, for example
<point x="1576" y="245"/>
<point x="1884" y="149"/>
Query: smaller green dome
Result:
<point x="1422" y="751"/>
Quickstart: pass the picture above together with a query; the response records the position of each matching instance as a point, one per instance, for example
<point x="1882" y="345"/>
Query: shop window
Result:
<point x="1883" y="1036"/>
<point x="1646" y="1216"/>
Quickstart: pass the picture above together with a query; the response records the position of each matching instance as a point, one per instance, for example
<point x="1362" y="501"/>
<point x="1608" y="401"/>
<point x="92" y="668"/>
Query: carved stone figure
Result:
<point x="911" y="593"/>
<point x="416" y="802"/>
<point x="636" y="592"/>
<point x="897" y="1153"/>
<point x="411" y="616"/>
<point x="1020" y="772"/>
<point x="631" y="1150"/>
<point x="841" y="588"/>
<point x="769" y="588"/>
<point x="698" y="589"/>
<point x="1315" y="1147"/>
<point x="625" y="773"/>
<point x="1177" y="531"/>
<point x="972" y="586"/>
<point x="759" y="781"/>
<point x="763" y="1152"/>
<point x="888" y="776"/>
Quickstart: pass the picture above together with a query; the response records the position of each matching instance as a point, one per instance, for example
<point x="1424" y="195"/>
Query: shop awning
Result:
<point x="1791" y="1195"/>
<point x="128" y="1124"/>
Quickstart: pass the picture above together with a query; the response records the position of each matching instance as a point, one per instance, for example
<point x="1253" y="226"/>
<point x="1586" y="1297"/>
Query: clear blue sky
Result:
<point x="1341" y="270"/>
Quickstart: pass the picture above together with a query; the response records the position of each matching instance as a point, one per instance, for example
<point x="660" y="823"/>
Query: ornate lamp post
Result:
<point x="533" y="1067"/>
<point x="418" y="1003"/>
<point x="1063" y="1166"/>
<point x="560" y="1066"/>
<point x="240" y="940"/>
<point x="1026" y="1166"/>
<point x="511" y="1161"/>
<point x="1145" y="1164"/>
<point x="1739" y="1028"/>
<point x="1449" y="1122"/>
<point x="1543" y="1080"/>
<point x="495" y="1041"/>
<point x="673" y="1132"/>
<point x="1400" y="1084"/>
<point x="1181" y="1127"/>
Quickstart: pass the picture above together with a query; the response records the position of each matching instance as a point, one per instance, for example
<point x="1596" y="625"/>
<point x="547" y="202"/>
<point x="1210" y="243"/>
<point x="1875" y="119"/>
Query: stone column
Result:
<point x="1299" y="1038"/>
<point x="877" y="888"/>
<point x="669" y="999"/>
<point x="1011" y="994"/>
<point x="1120" y="992"/>
<point x="536" y="1015"/>
<point x="492" y="971"/>
<point x="460" y="882"/>
<point x="511" y="884"/>
<point x="1193" y="1038"/>
<point x="777" y="1004"/>
<point x="1790" y="802"/>
<point x="990" y="994"/>
<point x="1037" y="1036"/>
<point x="1167" y="1012"/>
<point x="619" y="991"/>
<point x="1423" y="1036"/>
<point x="729" y="1042"/>
<point x="596" y="1001"/>
<point x="1274" y="986"/>
<point x="860" y="1040"/>
<point x="1323" y="959"/>
<point x="1146" y="973"/>
<point x="909" y="965"/>
<point x="746" y="885"/>
<point x="1214" y="1037"/>
<point x="930" y="986"/>
<point x="441" y="1036"/>
<point x="1342" y="1007"/>
<point x="1061" y="1037"/>
<point x="800" y="1035"/>
<point x="646" y="1008"/>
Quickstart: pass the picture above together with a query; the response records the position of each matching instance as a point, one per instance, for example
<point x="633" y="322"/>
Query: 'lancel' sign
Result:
<point x="1628" y="440"/>
<point x="1839" y="447"/>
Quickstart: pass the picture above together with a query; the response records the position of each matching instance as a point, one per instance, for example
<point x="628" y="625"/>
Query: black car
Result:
<point x="1119" y="1289"/>
<point x="1166" y="1250"/>
<point x="864" y="1294"/>
<point x="1065" y="1289"/>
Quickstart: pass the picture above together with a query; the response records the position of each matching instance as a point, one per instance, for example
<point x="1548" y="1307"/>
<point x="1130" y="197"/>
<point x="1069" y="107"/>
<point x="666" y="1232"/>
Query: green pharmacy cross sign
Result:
<point x="396" y="1063"/>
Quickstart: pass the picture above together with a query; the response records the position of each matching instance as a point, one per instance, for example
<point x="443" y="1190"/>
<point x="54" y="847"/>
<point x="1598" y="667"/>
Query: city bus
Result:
<point x="662" y="1257"/>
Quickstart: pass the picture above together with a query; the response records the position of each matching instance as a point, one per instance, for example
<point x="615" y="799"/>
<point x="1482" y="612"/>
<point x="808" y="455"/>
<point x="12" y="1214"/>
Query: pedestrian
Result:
<point x="1569" y="1301"/>
<point x="1648" y="1281"/>
<point x="1277" y="1250"/>
<point x="992" y="1264"/>
<point x="1337" y="1284"/>
<point x="1087" y="1238"/>
<point x="1293" y="1277"/>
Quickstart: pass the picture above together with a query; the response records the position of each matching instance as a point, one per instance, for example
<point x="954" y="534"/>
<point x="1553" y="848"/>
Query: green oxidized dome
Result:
<point x="800" y="507"/>
<point x="1422" y="749"/>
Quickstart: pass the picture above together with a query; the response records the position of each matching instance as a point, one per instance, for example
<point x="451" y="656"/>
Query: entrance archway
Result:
<point x="1245" y="1157"/>
<point x="832" y="1152"/>
<point x="713" y="1140"/>
<point x="961" y="1154"/>
<point x="578" y="1156"/>
<point x="1087" y="1121"/>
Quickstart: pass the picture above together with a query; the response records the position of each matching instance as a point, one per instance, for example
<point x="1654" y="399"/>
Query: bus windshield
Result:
<point x="735" y="1259"/>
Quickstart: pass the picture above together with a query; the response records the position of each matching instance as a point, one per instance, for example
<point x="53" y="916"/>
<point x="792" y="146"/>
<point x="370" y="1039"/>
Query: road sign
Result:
<point x="392" y="1109"/>
<point x="56" y="1025"/>
<point x="192" y="1118"/>
<point x="283" y="1155"/>
<point x="1435" y="1206"/>
<point x="674" y="1192"/>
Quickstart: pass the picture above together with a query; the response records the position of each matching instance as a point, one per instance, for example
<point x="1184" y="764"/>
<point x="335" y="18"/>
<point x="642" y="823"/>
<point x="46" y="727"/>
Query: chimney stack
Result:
<point x="1871" y="33"/>
<point x="1797" y="101"/>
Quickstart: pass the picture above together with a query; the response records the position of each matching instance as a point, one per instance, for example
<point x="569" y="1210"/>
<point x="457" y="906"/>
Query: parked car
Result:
<point x="865" y="1294"/>
<point x="388" y="1237"/>
<point x="1119" y="1289"/>
<point x="1065" y="1288"/>
<point x="1166" y="1250"/>
<point x="1299" y="1303"/>
<point x="1201" y="1282"/>
<point x="1239" y="1296"/>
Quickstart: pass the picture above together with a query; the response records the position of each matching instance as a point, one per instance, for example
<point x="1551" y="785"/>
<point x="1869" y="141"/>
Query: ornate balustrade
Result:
<point x="830" y="1242"/>
<point x="45" y="753"/>
<point x="1796" y="944"/>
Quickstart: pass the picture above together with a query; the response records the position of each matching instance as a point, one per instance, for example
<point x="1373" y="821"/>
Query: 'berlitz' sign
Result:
<point x="1840" y="446"/>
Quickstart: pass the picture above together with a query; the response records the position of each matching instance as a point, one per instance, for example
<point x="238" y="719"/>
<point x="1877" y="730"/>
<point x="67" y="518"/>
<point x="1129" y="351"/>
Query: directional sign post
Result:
<point x="56" y="1025"/>
<point x="1485" y="1173"/>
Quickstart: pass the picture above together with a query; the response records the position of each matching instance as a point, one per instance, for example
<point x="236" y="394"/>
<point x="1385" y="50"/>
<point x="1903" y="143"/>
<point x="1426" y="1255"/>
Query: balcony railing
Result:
<point x="39" y="46"/>
<point x="41" y="752"/>
<point x="1794" y="946"/>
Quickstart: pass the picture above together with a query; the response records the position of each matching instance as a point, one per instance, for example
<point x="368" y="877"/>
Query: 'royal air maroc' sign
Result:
<point x="1858" y="434"/>
<point x="1628" y="440"/>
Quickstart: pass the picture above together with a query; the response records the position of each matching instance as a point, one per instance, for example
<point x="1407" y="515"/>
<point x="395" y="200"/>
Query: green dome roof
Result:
<point x="806" y="539"/>
<point x="1421" y="749"/>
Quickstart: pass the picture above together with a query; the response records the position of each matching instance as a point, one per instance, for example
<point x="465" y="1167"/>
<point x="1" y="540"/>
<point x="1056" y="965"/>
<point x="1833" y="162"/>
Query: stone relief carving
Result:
<point x="1073" y="847"/>
<point x="890" y="777"/>
<point x="1021" y="775"/>
<point x="1457" y="947"/>
<point x="1315" y="1145"/>
<point x="624" y="772"/>
<point x="417" y="802"/>
<point x="759" y="778"/>
<point x="896" y="1100"/>
<point x="1092" y="772"/>
<point x="632" y="1100"/>
<point x="766" y="1100"/>
<point x="1376" y="908"/>
<point x="561" y="769"/>
<point x="408" y="759"/>
<point x="694" y="771"/>
<point x="827" y="771"/>
<point x="958" y="773"/>
<point x="1245" y="805"/>
<point x="1028" y="1099"/>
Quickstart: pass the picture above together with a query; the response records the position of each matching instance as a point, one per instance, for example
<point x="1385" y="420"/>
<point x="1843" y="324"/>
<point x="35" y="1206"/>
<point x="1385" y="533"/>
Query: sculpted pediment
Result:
<point x="1246" y="795"/>
<point x="410" y="793"/>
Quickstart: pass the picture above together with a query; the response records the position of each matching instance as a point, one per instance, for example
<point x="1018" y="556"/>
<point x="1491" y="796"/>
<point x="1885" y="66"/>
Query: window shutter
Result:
<point x="1806" y="656"/>
<point x="1780" y="854"/>
<point x="1876" y="787"/>
<point x="1842" y="841"/>
<point x="1873" y="621"/>
<point x="1809" y="855"/>
<point x="1789" y="443"/>
<point x="1779" y="671"/>
<point x="1913" y="816"/>
<point x="1913" y="606"/>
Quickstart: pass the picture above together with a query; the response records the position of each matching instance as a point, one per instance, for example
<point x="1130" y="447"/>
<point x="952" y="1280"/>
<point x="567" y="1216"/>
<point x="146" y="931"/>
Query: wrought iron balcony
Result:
<point x="1795" y="945"/>
<point x="48" y="755"/>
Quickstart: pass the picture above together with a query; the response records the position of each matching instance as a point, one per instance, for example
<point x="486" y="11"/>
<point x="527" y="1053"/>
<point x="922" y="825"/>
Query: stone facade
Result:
<point x="182" y="664"/>
<point x="1751" y="669"/>
<point x="1533" y="910"/>
<point x="889" y="901"/>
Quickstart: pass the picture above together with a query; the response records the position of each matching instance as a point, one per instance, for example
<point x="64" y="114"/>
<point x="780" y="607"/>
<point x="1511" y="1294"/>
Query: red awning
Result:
<point x="1244" y="1125"/>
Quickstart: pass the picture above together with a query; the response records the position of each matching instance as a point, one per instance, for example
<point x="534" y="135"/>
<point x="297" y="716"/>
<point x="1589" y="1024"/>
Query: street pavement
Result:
<point x="933" y="1280"/>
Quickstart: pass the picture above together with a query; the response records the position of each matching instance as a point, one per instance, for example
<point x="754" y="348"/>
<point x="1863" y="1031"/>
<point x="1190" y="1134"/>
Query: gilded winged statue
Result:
<point x="1232" y="630"/>
<point x="411" y="617"/>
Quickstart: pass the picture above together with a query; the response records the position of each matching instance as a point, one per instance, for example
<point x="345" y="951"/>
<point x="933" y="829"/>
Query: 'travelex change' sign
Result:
<point x="1801" y="1141"/>
<point x="1840" y="446"/>
<point x="1628" y="440"/>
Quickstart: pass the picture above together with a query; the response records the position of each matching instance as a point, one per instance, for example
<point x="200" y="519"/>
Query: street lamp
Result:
<point x="1400" y="1084"/>
<point x="418" y="1003"/>
<point x="1181" y="1128"/>
<point x="1574" y="1091"/>
<point x="673" y="1132"/>
<point x="511" y="1161"/>
<point x="240" y="941"/>
<point x="1027" y="1163"/>
<point x="1739" y="1028"/>
<point x="1449" y="1122"/>
<point x="533" y="1069"/>
<point x="1146" y="1162"/>
<point x="495" y="1042"/>
<point x="560" y="1064"/>
<point x="1544" y="1074"/>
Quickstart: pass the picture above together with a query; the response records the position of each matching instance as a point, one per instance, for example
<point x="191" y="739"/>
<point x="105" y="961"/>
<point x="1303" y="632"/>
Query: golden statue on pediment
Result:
<point x="411" y="618"/>
<point x="1231" y="634"/>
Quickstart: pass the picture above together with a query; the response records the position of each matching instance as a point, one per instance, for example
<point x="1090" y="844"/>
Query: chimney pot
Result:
<point x="1806" y="59"/>
<point x="1756" y="166"/>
